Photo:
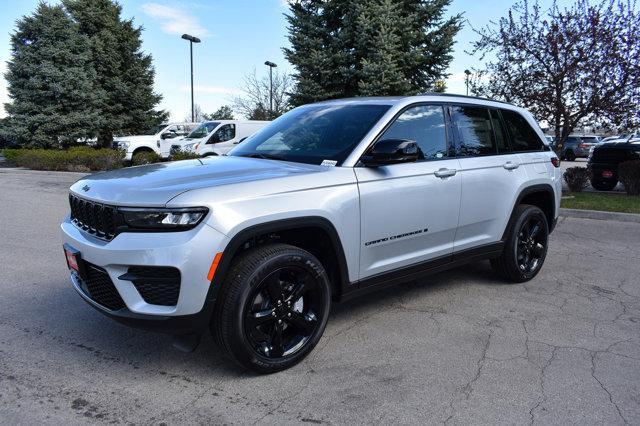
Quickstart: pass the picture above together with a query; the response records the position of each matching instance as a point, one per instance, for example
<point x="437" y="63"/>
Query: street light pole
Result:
<point x="271" y="66"/>
<point x="191" y="40"/>
<point x="467" y="73"/>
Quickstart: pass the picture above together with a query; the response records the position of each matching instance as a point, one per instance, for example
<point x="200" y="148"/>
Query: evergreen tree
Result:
<point x="343" y="48"/>
<point x="225" y="112"/>
<point x="50" y="81"/>
<point x="124" y="74"/>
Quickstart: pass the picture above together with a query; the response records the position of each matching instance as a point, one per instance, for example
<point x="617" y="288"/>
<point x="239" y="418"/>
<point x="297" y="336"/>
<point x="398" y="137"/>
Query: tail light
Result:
<point x="555" y="161"/>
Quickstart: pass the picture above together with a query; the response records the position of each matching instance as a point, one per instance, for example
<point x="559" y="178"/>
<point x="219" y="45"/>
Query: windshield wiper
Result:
<point x="263" y="156"/>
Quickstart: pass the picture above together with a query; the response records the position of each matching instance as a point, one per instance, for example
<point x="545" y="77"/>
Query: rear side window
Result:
<point x="500" y="133"/>
<point x="425" y="125"/>
<point x="523" y="137"/>
<point x="474" y="129"/>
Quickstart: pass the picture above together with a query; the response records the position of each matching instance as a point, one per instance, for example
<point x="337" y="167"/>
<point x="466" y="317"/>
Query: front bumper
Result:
<point x="191" y="252"/>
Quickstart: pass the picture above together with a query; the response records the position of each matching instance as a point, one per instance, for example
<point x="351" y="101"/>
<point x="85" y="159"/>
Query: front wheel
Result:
<point x="526" y="246"/>
<point x="273" y="307"/>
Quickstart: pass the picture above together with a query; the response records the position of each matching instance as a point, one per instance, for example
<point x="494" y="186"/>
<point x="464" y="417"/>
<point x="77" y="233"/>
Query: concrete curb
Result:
<point x="597" y="215"/>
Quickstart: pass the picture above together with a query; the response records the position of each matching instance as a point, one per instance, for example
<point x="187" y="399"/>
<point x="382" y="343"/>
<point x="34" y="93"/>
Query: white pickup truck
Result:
<point x="157" y="139"/>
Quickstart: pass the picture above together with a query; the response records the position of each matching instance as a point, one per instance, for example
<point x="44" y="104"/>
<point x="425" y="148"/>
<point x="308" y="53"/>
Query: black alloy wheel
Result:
<point x="272" y="308"/>
<point x="525" y="247"/>
<point x="283" y="311"/>
<point x="532" y="243"/>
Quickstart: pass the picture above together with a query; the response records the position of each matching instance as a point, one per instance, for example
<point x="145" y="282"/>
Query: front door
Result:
<point x="409" y="212"/>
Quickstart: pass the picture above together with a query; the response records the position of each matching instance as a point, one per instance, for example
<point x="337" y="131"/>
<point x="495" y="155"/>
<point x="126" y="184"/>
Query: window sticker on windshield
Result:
<point x="329" y="163"/>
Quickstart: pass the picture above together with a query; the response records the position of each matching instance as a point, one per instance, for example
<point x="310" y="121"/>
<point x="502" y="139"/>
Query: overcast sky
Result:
<point x="237" y="37"/>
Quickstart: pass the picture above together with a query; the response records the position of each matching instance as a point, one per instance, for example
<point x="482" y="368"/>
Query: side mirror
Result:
<point x="391" y="151"/>
<point x="168" y="135"/>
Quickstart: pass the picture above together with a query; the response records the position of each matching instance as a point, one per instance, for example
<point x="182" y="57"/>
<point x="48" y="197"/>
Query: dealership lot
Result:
<point x="457" y="347"/>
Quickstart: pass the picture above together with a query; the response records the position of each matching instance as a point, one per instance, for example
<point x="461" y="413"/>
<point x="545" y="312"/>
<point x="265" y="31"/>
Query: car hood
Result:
<point x="155" y="184"/>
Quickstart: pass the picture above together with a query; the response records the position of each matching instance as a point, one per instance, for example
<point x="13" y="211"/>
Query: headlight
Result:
<point x="123" y="145"/>
<point x="188" y="147"/>
<point x="163" y="219"/>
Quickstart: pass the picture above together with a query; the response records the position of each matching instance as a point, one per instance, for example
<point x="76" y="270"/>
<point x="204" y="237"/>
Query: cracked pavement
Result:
<point x="458" y="347"/>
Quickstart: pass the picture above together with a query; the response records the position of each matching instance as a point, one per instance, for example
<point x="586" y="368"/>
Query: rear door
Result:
<point x="409" y="212"/>
<point x="491" y="175"/>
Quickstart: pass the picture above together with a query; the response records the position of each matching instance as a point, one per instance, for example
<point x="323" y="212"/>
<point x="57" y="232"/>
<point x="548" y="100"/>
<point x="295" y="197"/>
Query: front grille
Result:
<point x="100" y="288"/>
<point x="158" y="285"/>
<point x="95" y="218"/>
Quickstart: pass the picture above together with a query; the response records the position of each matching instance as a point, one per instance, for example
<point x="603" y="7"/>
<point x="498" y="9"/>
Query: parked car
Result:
<point x="218" y="137"/>
<point x="604" y="159"/>
<point x="330" y="201"/>
<point x="578" y="146"/>
<point x="157" y="139"/>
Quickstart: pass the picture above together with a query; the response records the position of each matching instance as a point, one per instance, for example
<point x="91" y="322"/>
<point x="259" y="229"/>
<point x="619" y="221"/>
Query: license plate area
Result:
<point x="74" y="260"/>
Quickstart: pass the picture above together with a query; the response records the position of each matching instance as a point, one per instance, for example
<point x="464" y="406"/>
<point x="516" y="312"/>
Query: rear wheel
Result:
<point x="273" y="307"/>
<point x="569" y="155"/>
<point x="526" y="246"/>
<point x="604" y="185"/>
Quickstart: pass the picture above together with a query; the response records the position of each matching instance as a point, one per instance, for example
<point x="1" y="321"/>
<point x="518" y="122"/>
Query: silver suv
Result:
<point x="330" y="201"/>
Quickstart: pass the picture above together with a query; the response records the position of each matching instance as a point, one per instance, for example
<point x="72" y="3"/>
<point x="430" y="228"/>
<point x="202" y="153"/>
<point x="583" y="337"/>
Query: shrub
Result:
<point x="144" y="157"/>
<point x="629" y="175"/>
<point x="77" y="159"/>
<point x="183" y="155"/>
<point x="576" y="178"/>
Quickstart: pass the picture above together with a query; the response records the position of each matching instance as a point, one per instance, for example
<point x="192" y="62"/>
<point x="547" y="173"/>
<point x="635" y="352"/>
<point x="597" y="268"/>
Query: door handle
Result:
<point x="510" y="166"/>
<point x="445" y="173"/>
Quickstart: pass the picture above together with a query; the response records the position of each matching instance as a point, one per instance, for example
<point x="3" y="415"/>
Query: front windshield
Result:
<point x="202" y="130"/>
<point x="155" y="129"/>
<point x="313" y="133"/>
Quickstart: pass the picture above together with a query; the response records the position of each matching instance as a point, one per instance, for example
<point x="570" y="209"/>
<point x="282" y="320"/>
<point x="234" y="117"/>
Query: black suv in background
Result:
<point x="603" y="163"/>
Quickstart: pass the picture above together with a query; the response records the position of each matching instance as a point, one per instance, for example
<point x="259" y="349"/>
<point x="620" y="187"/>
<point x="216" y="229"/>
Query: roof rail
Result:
<point x="455" y="95"/>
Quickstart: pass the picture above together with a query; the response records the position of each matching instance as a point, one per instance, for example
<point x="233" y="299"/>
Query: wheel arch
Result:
<point x="143" y="148"/>
<point x="541" y="196"/>
<point x="314" y="234"/>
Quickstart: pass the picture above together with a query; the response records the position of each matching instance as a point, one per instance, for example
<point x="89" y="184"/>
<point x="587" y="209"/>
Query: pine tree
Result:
<point x="343" y="48"/>
<point x="225" y="112"/>
<point x="50" y="81"/>
<point x="124" y="74"/>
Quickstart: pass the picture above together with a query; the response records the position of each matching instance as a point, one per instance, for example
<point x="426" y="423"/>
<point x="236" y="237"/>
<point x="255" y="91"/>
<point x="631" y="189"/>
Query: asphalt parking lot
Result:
<point x="456" y="348"/>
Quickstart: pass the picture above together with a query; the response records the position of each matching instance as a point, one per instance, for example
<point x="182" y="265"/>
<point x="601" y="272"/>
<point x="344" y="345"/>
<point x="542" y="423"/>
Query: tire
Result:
<point x="569" y="155"/>
<point x="144" y="156"/>
<point x="604" y="185"/>
<point x="523" y="248"/>
<point x="272" y="308"/>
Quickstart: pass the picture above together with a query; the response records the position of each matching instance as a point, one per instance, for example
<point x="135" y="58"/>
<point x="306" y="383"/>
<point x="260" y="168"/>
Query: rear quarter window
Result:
<point x="523" y="137"/>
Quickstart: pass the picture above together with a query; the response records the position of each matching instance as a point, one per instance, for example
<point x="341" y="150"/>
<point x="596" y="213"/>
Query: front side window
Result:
<point x="426" y="126"/>
<point x="223" y="134"/>
<point x="523" y="137"/>
<point x="475" y="133"/>
<point x="313" y="133"/>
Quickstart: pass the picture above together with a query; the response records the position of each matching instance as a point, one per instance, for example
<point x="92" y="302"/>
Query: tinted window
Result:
<point x="523" y="137"/>
<point x="424" y="125"/>
<point x="474" y="130"/>
<point x="313" y="133"/>
<point x="223" y="134"/>
<point x="500" y="133"/>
